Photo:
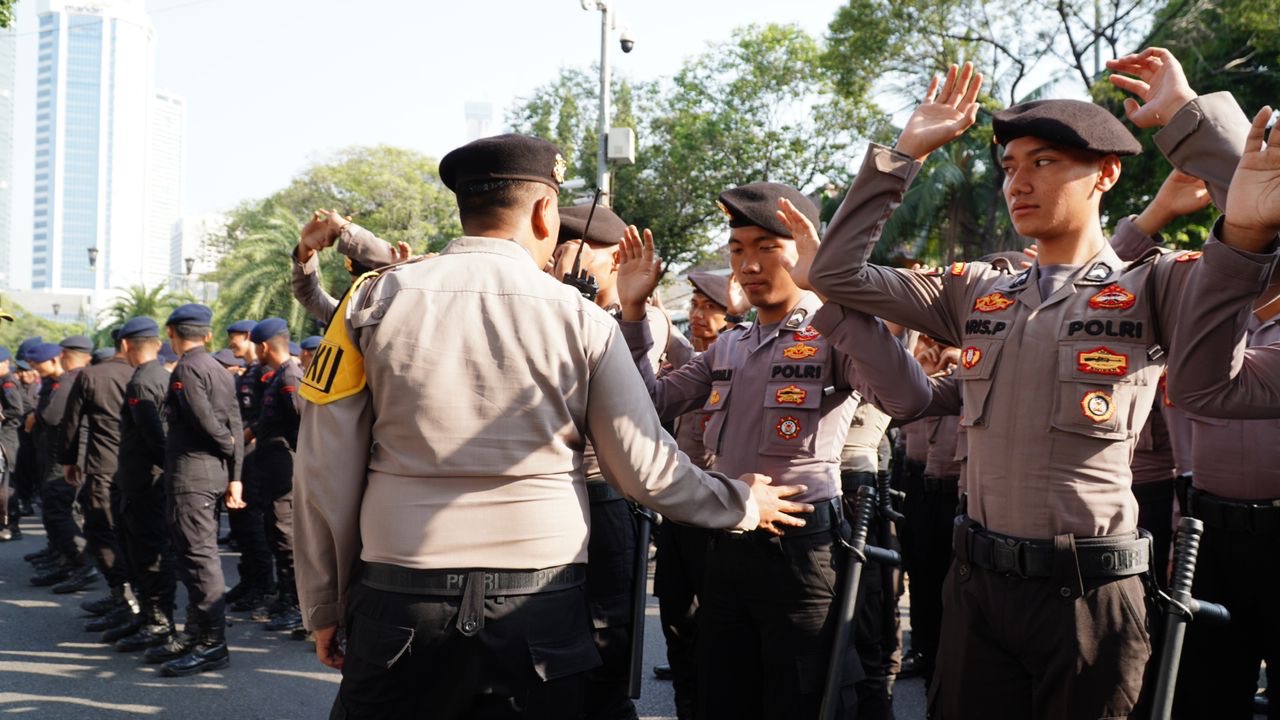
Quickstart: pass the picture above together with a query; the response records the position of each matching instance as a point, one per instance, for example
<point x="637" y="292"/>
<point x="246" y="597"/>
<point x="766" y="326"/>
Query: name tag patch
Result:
<point x="1098" y="406"/>
<point x="994" y="302"/>
<point x="1113" y="297"/>
<point x="788" y="428"/>
<point x="1102" y="361"/>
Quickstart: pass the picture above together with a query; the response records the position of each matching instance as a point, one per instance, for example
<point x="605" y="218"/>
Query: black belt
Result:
<point x="1105" y="557"/>
<point x="598" y="492"/>
<point x="1234" y="515"/>
<point x="826" y="516"/>
<point x="453" y="583"/>
<point x="949" y="484"/>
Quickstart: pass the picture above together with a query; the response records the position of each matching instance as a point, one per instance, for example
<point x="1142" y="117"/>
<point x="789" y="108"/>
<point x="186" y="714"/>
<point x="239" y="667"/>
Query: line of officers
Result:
<point x="131" y="453"/>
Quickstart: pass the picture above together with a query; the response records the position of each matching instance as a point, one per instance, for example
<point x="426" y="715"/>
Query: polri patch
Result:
<point x="1098" y="406"/>
<point x="970" y="357"/>
<point x="791" y="395"/>
<point x="1102" y="361"/>
<point x="788" y="428"/>
<point x="1113" y="297"/>
<point x="995" y="302"/>
<point x="800" y="352"/>
<point x="805" y="335"/>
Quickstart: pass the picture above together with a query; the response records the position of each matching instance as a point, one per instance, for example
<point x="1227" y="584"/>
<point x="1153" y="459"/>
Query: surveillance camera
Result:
<point x="627" y="41"/>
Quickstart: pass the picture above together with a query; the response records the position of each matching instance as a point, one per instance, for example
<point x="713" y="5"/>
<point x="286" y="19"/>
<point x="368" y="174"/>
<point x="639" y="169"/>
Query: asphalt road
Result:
<point x="52" y="670"/>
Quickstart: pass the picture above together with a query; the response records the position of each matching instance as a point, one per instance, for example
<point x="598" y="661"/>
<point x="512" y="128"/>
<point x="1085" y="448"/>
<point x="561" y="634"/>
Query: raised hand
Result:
<point x="639" y="271"/>
<point x="739" y="305"/>
<point x="1158" y="80"/>
<point x="1252" y="217"/>
<point x="806" y="238"/>
<point x="942" y="117"/>
<point x="775" y="509"/>
<point x="1180" y="194"/>
<point x="321" y="232"/>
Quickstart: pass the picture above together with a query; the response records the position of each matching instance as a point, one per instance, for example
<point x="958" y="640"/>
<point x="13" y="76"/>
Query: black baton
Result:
<point x="639" y="596"/>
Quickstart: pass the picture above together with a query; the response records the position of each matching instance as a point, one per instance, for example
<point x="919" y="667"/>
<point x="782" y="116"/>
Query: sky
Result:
<point x="274" y="85"/>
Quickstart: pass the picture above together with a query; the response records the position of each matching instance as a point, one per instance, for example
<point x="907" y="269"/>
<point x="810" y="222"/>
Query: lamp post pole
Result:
<point x="604" y="178"/>
<point x="93" y="299"/>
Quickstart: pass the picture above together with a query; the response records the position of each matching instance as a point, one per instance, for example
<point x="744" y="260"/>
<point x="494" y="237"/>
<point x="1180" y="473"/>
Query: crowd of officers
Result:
<point x="474" y="440"/>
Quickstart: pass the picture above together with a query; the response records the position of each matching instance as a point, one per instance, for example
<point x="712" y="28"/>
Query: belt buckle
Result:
<point x="1006" y="555"/>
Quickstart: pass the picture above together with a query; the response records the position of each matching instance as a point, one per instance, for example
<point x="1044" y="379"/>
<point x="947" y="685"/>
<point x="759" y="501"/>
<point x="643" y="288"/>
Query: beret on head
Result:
<point x="756" y="205"/>
<point x="103" y="354"/>
<point x="190" y="314"/>
<point x="241" y="326"/>
<point x="4" y="354"/>
<point x="502" y="157"/>
<point x="228" y="358"/>
<point x="27" y="344"/>
<point x="166" y="353"/>
<point x="77" y="342"/>
<point x="23" y="365"/>
<point x="269" y="328"/>
<point x="44" y="352"/>
<point x="294" y="348"/>
<point x="311" y="342"/>
<point x="713" y="285"/>
<point x="139" y="327"/>
<point x="1070" y="123"/>
<point x="606" y="227"/>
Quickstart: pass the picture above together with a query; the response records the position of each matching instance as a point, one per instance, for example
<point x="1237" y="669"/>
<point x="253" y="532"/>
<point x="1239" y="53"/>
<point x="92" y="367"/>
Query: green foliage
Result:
<point x="254" y="278"/>
<point x="27" y="325"/>
<point x="138" y="301"/>
<point x="6" y="13"/>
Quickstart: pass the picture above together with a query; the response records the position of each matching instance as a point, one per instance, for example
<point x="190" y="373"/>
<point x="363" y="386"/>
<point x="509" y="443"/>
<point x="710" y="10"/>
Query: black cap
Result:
<point x="756" y="205"/>
<point x="77" y="342"/>
<point x="503" y="157"/>
<point x="1070" y="123"/>
<point x="713" y="285"/>
<point x="606" y="227"/>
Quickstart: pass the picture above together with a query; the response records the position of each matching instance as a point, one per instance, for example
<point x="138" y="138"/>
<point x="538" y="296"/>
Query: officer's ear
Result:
<point x="546" y="217"/>
<point x="1109" y="172"/>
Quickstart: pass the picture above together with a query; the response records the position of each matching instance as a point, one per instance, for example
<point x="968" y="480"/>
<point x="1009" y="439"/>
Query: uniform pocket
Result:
<point x="978" y="360"/>
<point x="553" y="659"/>
<point x="717" y="402"/>
<point x="1098" y="384"/>
<point x="377" y="643"/>
<point x="791" y="415"/>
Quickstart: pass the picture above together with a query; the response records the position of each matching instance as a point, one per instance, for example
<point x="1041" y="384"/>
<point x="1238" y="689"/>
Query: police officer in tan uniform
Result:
<point x="362" y="250"/>
<point x="1050" y="543"/>
<point x="442" y="516"/>
<point x="782" y="398"/>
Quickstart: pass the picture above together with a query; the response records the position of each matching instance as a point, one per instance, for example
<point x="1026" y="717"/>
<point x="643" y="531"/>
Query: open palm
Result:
<point x="1253" y="201"/>
<point x="943" y="116"/>
<point x="639" y="270"/>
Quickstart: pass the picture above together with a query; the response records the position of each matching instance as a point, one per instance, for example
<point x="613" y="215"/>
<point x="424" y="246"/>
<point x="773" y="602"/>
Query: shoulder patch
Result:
<point x="337" y="369"/>
<point x="957" y="268"/>
<point x="1189" y="256"/>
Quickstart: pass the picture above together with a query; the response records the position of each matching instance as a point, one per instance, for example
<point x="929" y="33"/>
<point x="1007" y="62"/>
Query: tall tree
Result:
<point x="138" y="301"/>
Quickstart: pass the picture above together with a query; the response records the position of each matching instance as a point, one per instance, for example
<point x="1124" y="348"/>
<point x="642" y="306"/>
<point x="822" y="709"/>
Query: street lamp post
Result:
<point x="604" y="178"/>
<point x="57" y="308"/>
<point x="93" y="299"/>
<point x="190" y="264"/>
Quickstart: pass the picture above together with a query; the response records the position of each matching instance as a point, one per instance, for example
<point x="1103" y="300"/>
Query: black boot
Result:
<point x="53" y="574"/>
<point x="288" y="619"/>
<point x="177" y="644"/>
<point x="81" y="578"/>
<point x="123" y="613"/>
<point x="209" y="654"/>
<point x="41" y="554"/>
<point x="124" y="629"/>
<point x="156" y="630"/>
<point x="102" y="605"/>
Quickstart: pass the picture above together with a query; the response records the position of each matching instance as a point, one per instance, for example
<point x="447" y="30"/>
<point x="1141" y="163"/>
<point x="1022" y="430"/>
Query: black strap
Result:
<point x="1109" y="557"/>
<point x="457" y="582"/>
<point x="1234" y="515"/>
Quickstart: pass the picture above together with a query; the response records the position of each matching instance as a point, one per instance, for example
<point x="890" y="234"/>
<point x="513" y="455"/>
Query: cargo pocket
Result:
<point x="554" y="659"/>
<point x="791" y="415"/>
<point x="377" y="643"/>
<point x="978" y="360"/>
<point x="716" y="405"/>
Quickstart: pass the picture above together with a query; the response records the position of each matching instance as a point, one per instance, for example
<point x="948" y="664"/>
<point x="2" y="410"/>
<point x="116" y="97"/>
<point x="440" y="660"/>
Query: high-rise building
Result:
<point x="8" y="80"/>
<point x="192" y="255"/>
<point x="479" y="119"/>
<point x="108" y="158"/>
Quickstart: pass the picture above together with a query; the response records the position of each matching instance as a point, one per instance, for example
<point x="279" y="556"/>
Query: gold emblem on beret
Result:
<point x="557" y="171"/>
<point x="724" y="209"/>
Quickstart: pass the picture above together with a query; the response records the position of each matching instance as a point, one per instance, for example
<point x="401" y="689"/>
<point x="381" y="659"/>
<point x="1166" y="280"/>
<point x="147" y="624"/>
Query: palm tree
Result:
<point x="137" y="301"/>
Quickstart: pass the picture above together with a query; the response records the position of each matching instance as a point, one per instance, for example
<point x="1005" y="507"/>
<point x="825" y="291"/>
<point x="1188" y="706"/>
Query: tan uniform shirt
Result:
<point x="915" y="441"/>
<point x="943" y="434"/>
<point x="485" y="378"/>
<point x="861" y="451"/>
<point x="1153" y="453"/>
<point x="1039" y="465"/>
<point x="1179" y="426"/>
<point x="354" y="242"/>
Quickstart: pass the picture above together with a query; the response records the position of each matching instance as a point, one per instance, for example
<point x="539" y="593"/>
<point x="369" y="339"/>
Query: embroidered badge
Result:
<point x="9" y="386"/>
<point x="791" y="395"/>
<point x="1102" y="361"/>
<point x="800" y="352"/>
<point x="558" y="169"/>
<point x="797" y="319"/>
<point x="715" y="397"/>
<point x="1098" y="273"/>
<point x="134" y="401"/>
<point x="957" y="268"/>
<point x="1189" y="256"/>
<point x="1098" y="406"/>
<point x="805" y="335"/>
<point x="994" y="302"/>
<point x="725" y="209"/>
<point x="788" y="428"/>
<point x="1113" y="297"/>
<point x="174" y="386"/>
<point x="970" y="357"/>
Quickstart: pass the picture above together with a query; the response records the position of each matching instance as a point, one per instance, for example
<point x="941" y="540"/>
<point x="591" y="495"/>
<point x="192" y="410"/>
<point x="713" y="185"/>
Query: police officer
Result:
<point x="361" y="249"/>
<point x="1049" y="545"/>
<point x="248" y="524"/>
<point x="203" y="451"/>
<point x="13" y="411"/>
<point x="228" y="359"/>
<point x="144" y="531"/>
<point x="767" y="602"/>
<point x="276" y="437"/>
<point x="443" y="619"/>
<point x="308" y="345"/>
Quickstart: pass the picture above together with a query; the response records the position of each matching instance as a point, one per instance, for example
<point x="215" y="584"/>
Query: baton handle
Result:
<point x="1186" y="549"/>
<point x="864" y="509"/>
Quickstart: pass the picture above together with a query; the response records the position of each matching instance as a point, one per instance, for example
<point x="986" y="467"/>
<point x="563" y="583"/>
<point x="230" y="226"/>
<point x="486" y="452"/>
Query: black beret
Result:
<point x="228" y="358"/>
<point x="138" y="327"/>
<point x="503" y="157"/>
<point x="77" y="342"/>
<point x="713" y="285"/>
<point x="102" y="355"/>
<point x="756" y="205"/>
<point x="606" y="227"/>
<point x="1070" y="123"/>
<point x="191" y="314"/>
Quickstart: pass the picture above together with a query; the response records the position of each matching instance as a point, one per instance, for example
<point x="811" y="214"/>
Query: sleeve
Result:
<point x="149" y="419"/>
<point x="875" y="362"/>
<point x="307" y="290"/>
<point x="1210" y="372"/>
<point x="1129" y="242"/>
<point x="679" y="349"/>
<point x="840" y="271"/>
<point x="676" y="392"/>
<point x="1205" y="138"/>
<point x="69" y="424"/>
<point x="13" y="405"/>
<point x="329" y="482"/>
<point x="197" y="394"/>
<point x="642" y="461"/>
<point x="364" y="247"/>
<point x="234" y="426"/>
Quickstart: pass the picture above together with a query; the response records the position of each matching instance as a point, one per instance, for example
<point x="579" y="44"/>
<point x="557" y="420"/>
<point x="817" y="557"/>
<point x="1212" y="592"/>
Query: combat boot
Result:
<point x="52" y="574"/>
<point x="102" y="605"/>
<point x="41" y="554"/>
<point x="209" y="654"/>
<point x="126" y="611"/>
<point x="79" y="579"/>
<point x="130" y="626"/>
<point x="288" y="619"/>
<point x="156" y="630"/>
<point x="176" y="644"/>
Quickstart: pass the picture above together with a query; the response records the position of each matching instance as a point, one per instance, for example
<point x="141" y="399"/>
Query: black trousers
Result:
<point x="8" y="498"/>
<point x="273" y="467"/>
<point x="766" y="626"/>
<point x="1219" y="673"/>
<point x="1155" y="515"/>
<point x="248" y="528"/>
<point x="145" y="536"/>
<point x="193" y="527"/>
<point x="99" y="501"/>
<point x="926" y="545"/>
<point x="677" y="581"/>
<point x="876" y="630"/>
<point x="58" y="497"/>
<point x="407" y="658"/>
<point x="610" y="583"/>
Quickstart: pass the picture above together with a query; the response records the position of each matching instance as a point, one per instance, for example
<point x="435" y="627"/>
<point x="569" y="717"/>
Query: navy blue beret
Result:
<point x="138" y="327"/>
<point x="241" y="326"/>
<point x="103" y="354"/>
<point x="167" y="354"/>
<point x="44" y="352"/>
<point x="311" y="343"/>
<point x="228" y="358"/>
<point x="77" y="342"/>
<point x="269" y="328"/>
<point x="190" y="314"/>
<point x="756" y="204"/>
<point x="23" y="365"/>
<point x="4" y="354"/>
<point x="26" y="346"/>
<point x="294" y="348"/>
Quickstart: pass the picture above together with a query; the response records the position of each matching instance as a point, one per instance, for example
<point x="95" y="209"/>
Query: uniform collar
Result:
<point x="796" y="319"/>
<point x="1104" y="267"/>
<point x="495" y="246"/>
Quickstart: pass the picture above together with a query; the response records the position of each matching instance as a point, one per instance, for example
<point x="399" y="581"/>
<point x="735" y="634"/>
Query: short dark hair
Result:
<point x="191" y="332"/>
<point x="488" y="196"/>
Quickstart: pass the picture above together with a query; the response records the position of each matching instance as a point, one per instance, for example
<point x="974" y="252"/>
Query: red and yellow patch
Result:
<point x="1098" y="406"/>
<point x="715" y="397"/>
<point x="1189" y="256"/>
<point x="1102" y="361"/>
<point x="994" y="302"/>
<point x="791" y="395"/>
<point x="800" y="352"/>
<point x="970" y="357"/>
<point x="805" y="335"/>
<point x="788" y="428"/>
<point x="957" y="268"/>
<point x="1113" y="297"/>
